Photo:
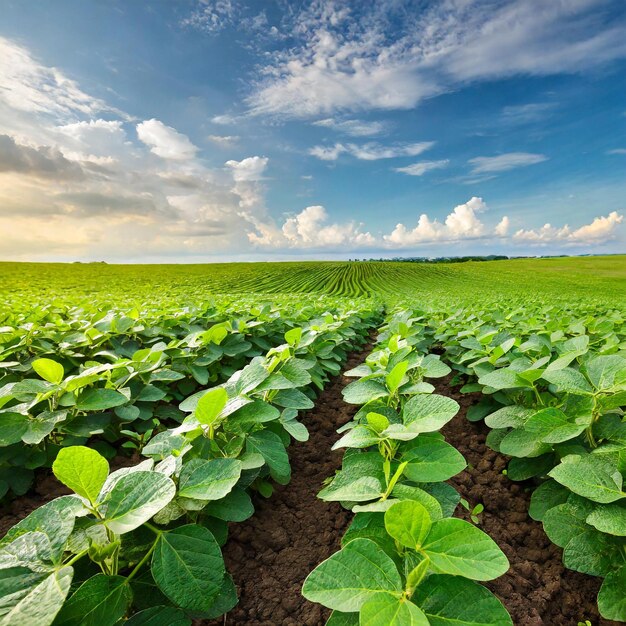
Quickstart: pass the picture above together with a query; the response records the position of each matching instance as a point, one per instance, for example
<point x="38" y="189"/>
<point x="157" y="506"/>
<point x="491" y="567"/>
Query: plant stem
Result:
<point x="141" y="563"/>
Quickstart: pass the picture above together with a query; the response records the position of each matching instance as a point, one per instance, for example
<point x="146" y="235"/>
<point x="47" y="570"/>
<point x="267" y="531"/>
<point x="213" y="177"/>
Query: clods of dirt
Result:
<point x="537" y="590"/>
<point x="271" y="554"/>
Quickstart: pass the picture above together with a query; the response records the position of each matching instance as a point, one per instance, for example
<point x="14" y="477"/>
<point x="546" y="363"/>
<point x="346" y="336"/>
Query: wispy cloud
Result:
<point x="617" y="151"/>
<point x="350" y="58"/>
<point x="370" y="151"/>
<point x="355" y="128"/>
<point x="527" y="113"/>
<point x="224" y="141"/>
<point x="421" y="167"/>
<point x="504" y="162"/>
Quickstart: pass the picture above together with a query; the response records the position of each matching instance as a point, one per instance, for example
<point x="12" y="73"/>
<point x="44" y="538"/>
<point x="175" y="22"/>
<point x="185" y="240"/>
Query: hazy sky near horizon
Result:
<point x="211" y="130"/>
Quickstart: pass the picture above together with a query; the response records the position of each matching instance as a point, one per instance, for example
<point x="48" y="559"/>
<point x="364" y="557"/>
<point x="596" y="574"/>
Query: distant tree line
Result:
<point x="460" y="259"/>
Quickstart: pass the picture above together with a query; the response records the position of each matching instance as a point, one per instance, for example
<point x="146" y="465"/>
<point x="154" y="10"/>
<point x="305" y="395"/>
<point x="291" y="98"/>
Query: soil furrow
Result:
<point x="270" y="555"/>
<point x="537" y="590"/>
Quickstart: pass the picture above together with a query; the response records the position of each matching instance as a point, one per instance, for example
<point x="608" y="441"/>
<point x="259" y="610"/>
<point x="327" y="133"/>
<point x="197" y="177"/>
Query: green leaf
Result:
<point x="606" y="371"/>
<point x="99" y="399"/>
<point x="101" y="600"/>
<point x="568" y="380"/>
<point x="49" y="370"/>
<point x="610" y="519"/>
<point x="208" y="479"/>
<point x="32" y="600"/>
<point x="352" y="576"/>
<point x="432" y="460"/>
<point x="135" y="498"/>
<point x="589" y="477"/>
<point x="81" y="469"/>
<point x="385" y="609"/>
<point x="545" y="497"/>
<point x="188" y="567"/>
<point x="454" y="601"/>
<point x="12" y="428"/>
<point x="612" y="596"/>
<point x="551" y="425"/>
<point x="210" y="405"/>
<point x="343" y="619"/>
<point x="513" y="416"/>
<point x="270" y="446"/>
<point x="358" y="437"/>
<point x="457" y="547"/>
<point x="396" y="375"/>
<point x="159" y="616"/>
<point x="504" y="378"/>
<point x="521" y="443"/>
<point x="429" y="412"/>
<point x="409" y="523"/>
<point x="364" y="391"/>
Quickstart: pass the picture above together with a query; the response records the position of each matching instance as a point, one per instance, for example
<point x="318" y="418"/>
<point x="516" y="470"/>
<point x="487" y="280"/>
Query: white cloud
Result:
<point x="355" y="128"/>
<point x="462" y="223"/>
<point x="502" y="229"/>
<point x="224" y="141"/>
<point x="527" y="113"/>
<point x="617" y="151"/>
<point x="247" y="175"/>
<point x="600" y="230"/>
<point x="370" y="151"/>
<point x="211" y="16"/>
<point x="309" y="229"/>
<point x="390" y="56"/>
<point x="421" y="167"/>
<point x="165" y="141"/>
<point x="249" y="169"/>
<point x="27" y="85"/>
<point x="504" y="162"/>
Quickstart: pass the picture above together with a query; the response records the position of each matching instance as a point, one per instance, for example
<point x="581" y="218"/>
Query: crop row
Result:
<point x="554" y="392"/>
<point x="404" y="559"/>
<point x="113" y="378"/>
<point x="144" y="541"/>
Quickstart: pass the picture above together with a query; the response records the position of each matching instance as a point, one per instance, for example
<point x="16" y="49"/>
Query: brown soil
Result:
<point x="271" y="554"/>
<point x="537" y="590"/>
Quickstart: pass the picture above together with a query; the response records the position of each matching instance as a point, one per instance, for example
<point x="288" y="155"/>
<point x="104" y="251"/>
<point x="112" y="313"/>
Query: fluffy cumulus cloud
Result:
<point x="354" y="56"/>
<point x="463" y="223"/>
<point x="370" y="151"/>
<point x="310" y="229"/>
<point x="602" y="229"/>
<point x="165" y="141"/>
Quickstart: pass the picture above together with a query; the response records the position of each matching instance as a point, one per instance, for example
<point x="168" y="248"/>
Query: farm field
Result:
<point x="294" y="443"/>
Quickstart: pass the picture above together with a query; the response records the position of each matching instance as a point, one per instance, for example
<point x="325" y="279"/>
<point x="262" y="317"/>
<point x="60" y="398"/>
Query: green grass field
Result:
<point x="570" y="279"/>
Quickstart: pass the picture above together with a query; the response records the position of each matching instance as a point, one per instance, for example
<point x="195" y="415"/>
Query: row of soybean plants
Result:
<point x="404" y="559"/>
<point x="554" y="385"/>
<point x="142" y="544"/>
<point x="72" y="375"/>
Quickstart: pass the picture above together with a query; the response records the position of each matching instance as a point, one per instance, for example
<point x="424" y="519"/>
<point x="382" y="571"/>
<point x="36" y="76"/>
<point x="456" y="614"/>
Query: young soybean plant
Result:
<point x="100" y="544"/>
<point x="418" y="572"/>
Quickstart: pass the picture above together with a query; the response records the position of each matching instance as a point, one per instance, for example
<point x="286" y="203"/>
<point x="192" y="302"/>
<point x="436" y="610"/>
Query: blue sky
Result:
<point x="206" y="130"/>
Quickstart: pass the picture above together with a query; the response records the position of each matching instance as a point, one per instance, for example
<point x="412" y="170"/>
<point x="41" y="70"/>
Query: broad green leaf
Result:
<point x="12" y="427"/>
<point x="188" y="567"/>
<point x="352" y="576"/>
<point x="432" y="460"/>
<point x="522" y="443"/>
<point x="513" y="416"/>
<point x="37" y="604"/>
<point x="551" y="425"/>
<point x="210" y="405"/>
<point x="455" y="601"/>
<point x="135" y="498"/>
<point x="396" y="375"/>
<point x="409" y="523"/>
<point x="101" y="600"/>
<point x="504" y="378"/>
<point x="429" y="412"/>
<point x="255" y="412"/>
<point x="545" y="497"/>
<point x="568" y="380"/>
<point x="589" y="477"/>
<point x="235" y="507"/>
<point x="49" y="370"/>
<point x="337" y="618"/>
<point x="270" y="446"/>
<point x="385" y="609"/>
<point x="100" y="399"/>
<point x="606" y="371"/>
<point x="81" y="469"/>
<point x="457" y="547"/>
<point x="364" y="391"/>
<point x="417" y="494"/>
<point x="612" y="596"/>
<point x="358" y="490"/>
<point x="609" y="518"/>
<point x="208" y="479"/>
<point x="159" y="616"/>
<point x="565" y="521"/>
<point x="358" y="437"/>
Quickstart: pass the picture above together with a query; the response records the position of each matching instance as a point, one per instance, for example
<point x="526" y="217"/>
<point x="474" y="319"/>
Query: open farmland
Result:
<point x="314" y="442"/>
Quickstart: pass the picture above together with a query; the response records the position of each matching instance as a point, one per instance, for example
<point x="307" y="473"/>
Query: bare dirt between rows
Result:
<point x="537" y="590"/>
<point x="271" y="554"/>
